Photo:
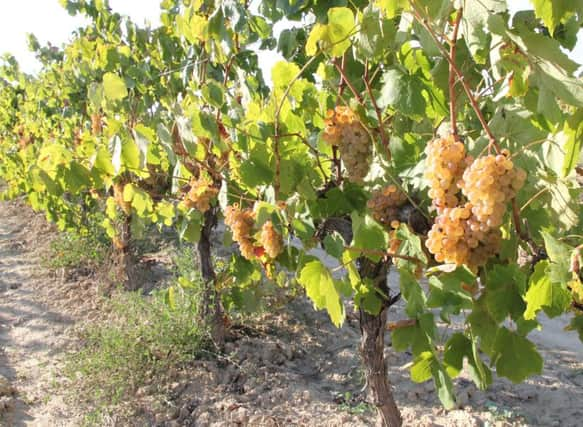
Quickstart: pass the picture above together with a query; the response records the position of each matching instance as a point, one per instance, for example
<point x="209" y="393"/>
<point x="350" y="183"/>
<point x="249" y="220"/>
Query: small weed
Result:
<point x="69" y="250"/>
<point x="354" y="405"/>
<point x="142" y="341"/>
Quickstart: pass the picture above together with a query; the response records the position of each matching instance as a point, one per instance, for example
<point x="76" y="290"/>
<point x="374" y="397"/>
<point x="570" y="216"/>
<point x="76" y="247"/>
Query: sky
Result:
<point x="51" y="23"/>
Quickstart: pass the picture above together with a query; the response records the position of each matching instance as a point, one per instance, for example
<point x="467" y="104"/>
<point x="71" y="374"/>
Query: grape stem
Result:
<point x="344" y="78"/>
<point x="383" y="254"/>
<point x="451" y="82"/>
<point x="423" y="21"/>
<point x="384" y="138"/>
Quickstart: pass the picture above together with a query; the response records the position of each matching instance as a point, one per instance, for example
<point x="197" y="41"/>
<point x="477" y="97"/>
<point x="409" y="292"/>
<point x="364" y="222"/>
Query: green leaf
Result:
<point x="504" y="286"/>
<point x="544" y="294"/>
<point x="576" y="325"/>
<point x="444" y="387"/>
<point x="404" y="93"/>
<point x="458" y="348"/>
<point x="411" y="336"/>
<point x="423" y="366"/>
<point x="411" y="246"/>
<point x="322" y="290"/>
<point x="560" y="256"/>
<point x="554" y="12"/>
<point x="515" y="357"/>
<point x="334" y="37"/>
<point x="412" y="293"/>
<point x="114" y="87"/>
<point x="368" y="235"/>
<point x="376" y="35"/>
<point x="283" y="73"/>
<point x="573" y="130"/>
<point x="334" y="244"/>
<point x="474" y="26"/>
<point x="392" y="8"/>
<point x="190" y="227"/>
<point x="212" y="93"/>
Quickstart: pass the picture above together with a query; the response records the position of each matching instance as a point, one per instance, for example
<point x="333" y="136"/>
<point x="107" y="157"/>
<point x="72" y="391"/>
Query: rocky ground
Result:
<point x="285" y="368"/>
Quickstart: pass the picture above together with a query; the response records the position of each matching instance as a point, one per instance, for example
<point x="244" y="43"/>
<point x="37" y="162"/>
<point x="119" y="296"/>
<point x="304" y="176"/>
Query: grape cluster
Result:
<point x="385" y="203"/>
<point x="271" y="240"/>
<point x="241" y="222"/>
<point x="344" y="130"/>
<point x="458" y="237"/>
<point x="489" y="183"/>
<point x="469" y="233"/>
<point x="446" y="161"/>
<point x="126" y="207"/>
<point x="96" y="124"/>
<point x="201" y="194"/>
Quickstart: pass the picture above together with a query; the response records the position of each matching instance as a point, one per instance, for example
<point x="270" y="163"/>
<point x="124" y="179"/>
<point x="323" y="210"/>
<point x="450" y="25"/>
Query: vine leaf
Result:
<point x="423" y="367"/>
<point x="403" y="92"/>
<point x="334" y="37"/>
<point x="474" y="26"/>
<point x="505" y="285"/>
<point x="458" y="348"/>
<point x="114" y="87"/>
<point x="516" y="357"/>
<point x="322" y="290"/>
<point x="554" y="12"/>
<point x="573" y="130"/>
<point x="544" y="294"/>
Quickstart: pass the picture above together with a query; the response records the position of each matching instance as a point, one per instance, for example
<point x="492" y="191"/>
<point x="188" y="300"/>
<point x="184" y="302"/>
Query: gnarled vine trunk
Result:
<point x="210" y="310"/>
<point x="123" y="263"/>
<point x="372" y="347"/>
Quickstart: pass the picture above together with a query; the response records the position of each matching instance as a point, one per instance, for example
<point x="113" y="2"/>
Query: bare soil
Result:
<point x="288" y="367"/>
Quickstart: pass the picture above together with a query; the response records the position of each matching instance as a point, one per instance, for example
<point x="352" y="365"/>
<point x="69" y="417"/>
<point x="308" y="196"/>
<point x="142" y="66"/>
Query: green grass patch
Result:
<point x="73" y="251"/>
<point x="142" y="340"/>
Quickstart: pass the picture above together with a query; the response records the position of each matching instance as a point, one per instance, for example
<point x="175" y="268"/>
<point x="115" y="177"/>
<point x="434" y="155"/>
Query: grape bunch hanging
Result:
<point x="385" y="203"/>
<point x="468" y="232"/>
<point x="242" y="223"/>
<point x="344" y="130"/>
<point x="201" y="193"/>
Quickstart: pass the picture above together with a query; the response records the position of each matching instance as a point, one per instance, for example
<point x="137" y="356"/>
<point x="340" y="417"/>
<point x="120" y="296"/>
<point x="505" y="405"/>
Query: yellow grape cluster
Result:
<point x="489" y="183"/>
<point x="385" y="203"/>
<point x="344" y="130"/>
<point x="241" y="222"/>
<point x="96" y="124"/>
<point x="446" y="161"/>
<point x="457" y="237"/>
<point x="201" y="193"/>
<point x="470" y="233"/>
<point x="271" y="240"/>
<point x="126" y="207"/>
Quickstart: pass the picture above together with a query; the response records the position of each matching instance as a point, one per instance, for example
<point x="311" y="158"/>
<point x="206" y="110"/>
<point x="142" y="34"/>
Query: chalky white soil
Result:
<point x="289" y="367"/>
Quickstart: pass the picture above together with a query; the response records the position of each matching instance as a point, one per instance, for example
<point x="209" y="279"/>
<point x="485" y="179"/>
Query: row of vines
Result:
<point x="437" y="138"/>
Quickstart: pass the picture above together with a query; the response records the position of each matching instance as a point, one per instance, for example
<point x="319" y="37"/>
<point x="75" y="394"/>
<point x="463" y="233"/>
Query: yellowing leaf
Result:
<point x="334" y="37"/>
<point x="114" y="87"/>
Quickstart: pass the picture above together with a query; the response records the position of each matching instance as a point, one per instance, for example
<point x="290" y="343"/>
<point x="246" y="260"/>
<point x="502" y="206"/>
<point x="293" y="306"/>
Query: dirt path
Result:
<point x="33" y="338"/>
<point x="290" y="375"/>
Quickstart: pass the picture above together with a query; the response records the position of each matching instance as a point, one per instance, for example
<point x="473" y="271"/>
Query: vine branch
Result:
<point x="459" y="74"/>
<point x="451" y="82"/>
<point x="384" y="138"/>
